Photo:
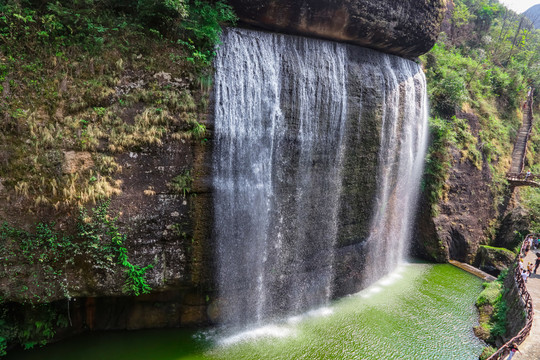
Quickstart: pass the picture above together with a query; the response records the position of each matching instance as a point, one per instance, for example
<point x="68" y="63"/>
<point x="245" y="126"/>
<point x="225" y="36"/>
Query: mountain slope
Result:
<point x="533" y="13"/>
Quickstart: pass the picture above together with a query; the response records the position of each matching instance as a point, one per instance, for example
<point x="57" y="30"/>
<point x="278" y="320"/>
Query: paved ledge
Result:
<point x="530" y="349"/>
<point x="471" y="269"/>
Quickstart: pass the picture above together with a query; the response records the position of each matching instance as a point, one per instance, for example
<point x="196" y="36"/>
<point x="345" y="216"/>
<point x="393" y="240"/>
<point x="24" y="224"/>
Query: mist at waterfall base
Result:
<point x="421" y="311"/>
<point x="312" y="139"/>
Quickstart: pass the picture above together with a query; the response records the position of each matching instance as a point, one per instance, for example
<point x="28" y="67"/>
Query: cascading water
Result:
<point x="289" y="168"/>
<point x="400" y="167"/>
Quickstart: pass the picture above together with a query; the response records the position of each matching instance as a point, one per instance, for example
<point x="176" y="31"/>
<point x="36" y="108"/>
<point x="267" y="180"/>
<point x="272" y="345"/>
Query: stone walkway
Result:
<point x="530" y="349"/>
<point x="520" y="146"/>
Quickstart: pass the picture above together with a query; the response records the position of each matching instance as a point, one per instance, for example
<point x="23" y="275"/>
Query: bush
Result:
<point x="491" y="293"/>
<point x="487" y="352"/>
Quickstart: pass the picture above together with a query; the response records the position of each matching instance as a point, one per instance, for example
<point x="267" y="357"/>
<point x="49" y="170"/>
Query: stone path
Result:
<point x="530" y="349"/>
<point x="520" y="146"/>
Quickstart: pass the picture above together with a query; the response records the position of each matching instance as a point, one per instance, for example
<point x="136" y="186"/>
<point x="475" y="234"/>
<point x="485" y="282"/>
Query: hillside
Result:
<point x="533" y="13"/>
<point x="478" y="76"/>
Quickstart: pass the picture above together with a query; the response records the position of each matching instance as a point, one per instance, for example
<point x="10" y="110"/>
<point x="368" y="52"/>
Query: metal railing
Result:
<point x="523" y="179"/>
<point x="527" y="299"/>
<point x="522" y="176"/>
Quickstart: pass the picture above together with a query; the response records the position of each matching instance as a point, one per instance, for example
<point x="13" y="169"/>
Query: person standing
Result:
<point x="537" y="262"/>
<point x="513" y="349"/>
<point x="524" y="274"/>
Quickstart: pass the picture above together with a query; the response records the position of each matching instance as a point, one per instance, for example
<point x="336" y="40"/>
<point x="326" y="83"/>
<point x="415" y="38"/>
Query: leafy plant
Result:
<point x="101" y="234"/>
<point x="202" y="28"/>
<point x="491" y="298"/>
<point x="182" y="183"/>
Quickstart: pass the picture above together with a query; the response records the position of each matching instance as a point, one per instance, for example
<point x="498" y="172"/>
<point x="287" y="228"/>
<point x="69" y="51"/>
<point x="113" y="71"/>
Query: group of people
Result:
<point x="526" y="271"/>
<point x="531" y="242"/>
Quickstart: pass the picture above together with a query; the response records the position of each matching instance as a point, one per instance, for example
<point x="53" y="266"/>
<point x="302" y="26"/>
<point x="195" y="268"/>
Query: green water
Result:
<point x="422" y="312"/>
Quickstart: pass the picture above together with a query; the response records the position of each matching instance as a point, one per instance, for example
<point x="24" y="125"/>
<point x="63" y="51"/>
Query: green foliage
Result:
<point x="29" y="325"/>
<point x="461" y="15"/>
<point x="491" y="293"/>
<point x="438" y="160"/>
<point x="202" y="29"/>
<point x="466" y="141"/>
<point x="47" y="251"/>
<point x="481" y="67"/>
<point x="100" y="233"/>
<point x="3" y="345"/>
<point x="444" y="135"/>
<point x="97" y="242"/>
<point x="198" y="131"/>
<point x="162" y="14"/>
<point x="182" y="183"/>
<point x="446" y="73"/>
<point x="492" y="296"/>
<point x="44" y="250"/>
<point x="499" y="320"/>
<point x="69" y="57"/>
<point x="487" y="352"/>
<point x="531" y="197"/>
<point x="195" y="24"/>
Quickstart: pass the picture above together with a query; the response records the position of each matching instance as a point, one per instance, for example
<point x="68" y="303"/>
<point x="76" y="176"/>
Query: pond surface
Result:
<point x="422" y="311"/>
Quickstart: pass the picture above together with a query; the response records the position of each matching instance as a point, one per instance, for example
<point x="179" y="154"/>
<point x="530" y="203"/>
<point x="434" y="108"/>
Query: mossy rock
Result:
<point x="493" y="259"/>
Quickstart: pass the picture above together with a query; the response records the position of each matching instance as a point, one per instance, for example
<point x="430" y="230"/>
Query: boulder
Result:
<point x="514" y="227"/>
<point x="407" y="28"/>
<point x="493" y="260"/>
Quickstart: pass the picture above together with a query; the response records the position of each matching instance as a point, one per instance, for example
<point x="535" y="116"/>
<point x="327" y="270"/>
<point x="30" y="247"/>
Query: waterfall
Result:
<point x="291" y="169"/>
<point x="401" y="159"/>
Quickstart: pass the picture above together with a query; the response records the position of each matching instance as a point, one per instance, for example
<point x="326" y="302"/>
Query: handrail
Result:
<point x="522" y="176"/>
<point x="527" y="299"/>
<point x="523" y="179"/>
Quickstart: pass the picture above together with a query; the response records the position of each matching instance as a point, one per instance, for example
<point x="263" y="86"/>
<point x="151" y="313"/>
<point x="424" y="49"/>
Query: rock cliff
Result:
<point x="163" y="227"/>
<point x="407" y="28"/>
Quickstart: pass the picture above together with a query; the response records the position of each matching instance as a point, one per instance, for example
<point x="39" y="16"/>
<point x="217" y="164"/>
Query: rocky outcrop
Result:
<point x="407" y="28"/>
<point x="493" y="260"/>
<point x="465" y="216"/>
<point x="514" y="227"/>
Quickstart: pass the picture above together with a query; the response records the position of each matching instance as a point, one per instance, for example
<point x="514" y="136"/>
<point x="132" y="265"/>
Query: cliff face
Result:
<point x="157" y="184"/>
<point x="407" y="28"/>
<point x="133" y="96"/>
<point x="466" y="216"/>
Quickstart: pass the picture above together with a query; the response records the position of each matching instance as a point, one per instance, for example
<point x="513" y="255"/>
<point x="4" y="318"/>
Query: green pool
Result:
<point x="423" y="311"/>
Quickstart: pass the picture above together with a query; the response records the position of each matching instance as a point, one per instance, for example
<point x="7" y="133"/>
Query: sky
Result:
<point x="519" y="6"/>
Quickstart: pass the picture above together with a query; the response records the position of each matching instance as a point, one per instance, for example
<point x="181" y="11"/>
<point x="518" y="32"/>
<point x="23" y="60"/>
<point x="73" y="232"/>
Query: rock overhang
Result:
<point x="407" y="28"/>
